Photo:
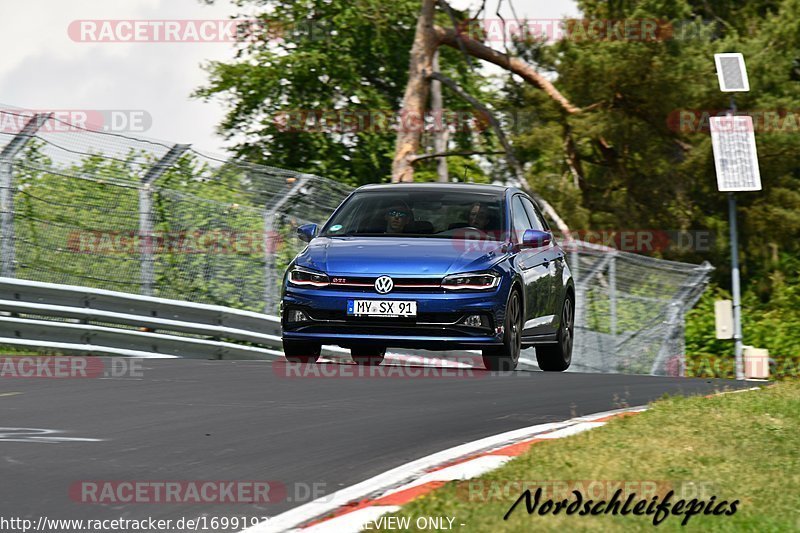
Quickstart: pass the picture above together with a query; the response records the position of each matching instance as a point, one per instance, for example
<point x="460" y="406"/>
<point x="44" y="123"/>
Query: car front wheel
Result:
<point x="557" y="357"/>
<point x="301" y="352"/>
<point x="506" y="357"/>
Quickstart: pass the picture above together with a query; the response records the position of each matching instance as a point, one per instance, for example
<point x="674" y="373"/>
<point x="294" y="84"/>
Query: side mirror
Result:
<point x="534" y="238"/>
<point x="306" y="232"/>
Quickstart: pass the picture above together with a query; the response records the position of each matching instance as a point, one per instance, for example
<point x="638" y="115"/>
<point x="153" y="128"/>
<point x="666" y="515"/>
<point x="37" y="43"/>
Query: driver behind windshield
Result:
<point x="478" y="216"/>
<point x="397" y="218"/>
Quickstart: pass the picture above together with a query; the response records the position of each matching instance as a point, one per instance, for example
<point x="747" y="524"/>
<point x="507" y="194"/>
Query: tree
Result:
<point x="323" y="96"/>
<point x="427" y="38"/>
<point x="641" y="166"/>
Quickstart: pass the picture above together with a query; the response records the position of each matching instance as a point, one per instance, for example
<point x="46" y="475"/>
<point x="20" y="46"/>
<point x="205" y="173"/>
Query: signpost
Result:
<point x="734" y="144"/>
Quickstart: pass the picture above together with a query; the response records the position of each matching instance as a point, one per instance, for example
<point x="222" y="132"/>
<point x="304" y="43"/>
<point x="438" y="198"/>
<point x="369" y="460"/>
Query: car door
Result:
<point x="553" y="259"/>
<point x="535" y="274"/>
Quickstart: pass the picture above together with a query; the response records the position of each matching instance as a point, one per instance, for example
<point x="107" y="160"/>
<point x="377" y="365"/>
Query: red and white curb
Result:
<point x="354" y="508"/>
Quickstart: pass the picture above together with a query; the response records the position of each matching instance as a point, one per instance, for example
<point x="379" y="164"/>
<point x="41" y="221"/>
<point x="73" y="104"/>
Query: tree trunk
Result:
<point x="440" y="132"/>
<point x="427" y="39"/>
<point x="412" y="111"/>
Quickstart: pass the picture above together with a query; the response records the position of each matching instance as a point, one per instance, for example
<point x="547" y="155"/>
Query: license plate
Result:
<point x="381" y="308"/>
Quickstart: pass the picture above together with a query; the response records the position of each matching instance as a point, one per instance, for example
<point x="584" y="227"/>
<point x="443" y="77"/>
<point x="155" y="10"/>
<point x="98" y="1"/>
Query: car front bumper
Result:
<point x="437" y="325"/>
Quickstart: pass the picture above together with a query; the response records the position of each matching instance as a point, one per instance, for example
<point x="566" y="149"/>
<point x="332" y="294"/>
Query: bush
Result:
<point x="770" y="324"/>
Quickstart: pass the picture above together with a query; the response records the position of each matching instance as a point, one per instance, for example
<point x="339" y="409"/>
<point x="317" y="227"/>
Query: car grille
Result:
<point x="367" y="284"/>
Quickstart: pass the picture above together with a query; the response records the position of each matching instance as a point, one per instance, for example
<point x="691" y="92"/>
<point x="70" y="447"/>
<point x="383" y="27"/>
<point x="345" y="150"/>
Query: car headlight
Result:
<point x="478" y="281"/>
<point x="308" y="278"/>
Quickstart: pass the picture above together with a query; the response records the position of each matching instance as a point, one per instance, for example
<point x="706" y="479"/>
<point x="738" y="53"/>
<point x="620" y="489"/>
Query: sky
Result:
<point x="43" y="67"/>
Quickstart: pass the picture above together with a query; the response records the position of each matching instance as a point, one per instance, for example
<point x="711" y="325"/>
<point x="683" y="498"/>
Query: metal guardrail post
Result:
<point x="146" y="215"/>
<point x="270" y="276"/>
<point x="7" y="248"/>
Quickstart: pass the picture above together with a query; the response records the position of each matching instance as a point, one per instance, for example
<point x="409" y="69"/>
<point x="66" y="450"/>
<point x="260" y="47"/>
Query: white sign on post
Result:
<point x="732" y="73"/>
<point x="734" y="143"/>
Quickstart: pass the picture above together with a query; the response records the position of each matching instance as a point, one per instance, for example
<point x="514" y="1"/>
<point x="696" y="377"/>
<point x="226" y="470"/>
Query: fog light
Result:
<point x="476" y="321"/>
<point x="473" y="321"/>
<point x="295" y="315"/>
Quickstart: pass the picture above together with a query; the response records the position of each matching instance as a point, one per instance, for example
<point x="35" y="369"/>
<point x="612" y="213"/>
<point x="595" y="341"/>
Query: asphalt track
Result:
<point x="244" y="420"/>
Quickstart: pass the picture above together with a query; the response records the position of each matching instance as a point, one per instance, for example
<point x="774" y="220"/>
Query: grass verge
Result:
<point x="6" y="351"/>
<point x="741" y="446"/>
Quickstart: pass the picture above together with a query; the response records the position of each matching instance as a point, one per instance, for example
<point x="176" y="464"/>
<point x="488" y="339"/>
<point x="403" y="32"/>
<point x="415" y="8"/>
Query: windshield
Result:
<point x="438" y="214"/>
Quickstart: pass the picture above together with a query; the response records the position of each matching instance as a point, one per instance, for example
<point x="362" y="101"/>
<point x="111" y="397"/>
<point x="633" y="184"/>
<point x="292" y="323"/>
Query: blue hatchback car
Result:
<point x="431" y="266"/>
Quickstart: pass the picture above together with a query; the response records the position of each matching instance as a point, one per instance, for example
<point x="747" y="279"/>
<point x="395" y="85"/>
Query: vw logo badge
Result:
<point x="384" y="284"/>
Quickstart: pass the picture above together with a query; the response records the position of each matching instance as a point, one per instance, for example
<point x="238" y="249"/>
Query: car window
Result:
<point x="437" y="214"/>
<point x="521" y="221"/>
<point x="533" y="214"/>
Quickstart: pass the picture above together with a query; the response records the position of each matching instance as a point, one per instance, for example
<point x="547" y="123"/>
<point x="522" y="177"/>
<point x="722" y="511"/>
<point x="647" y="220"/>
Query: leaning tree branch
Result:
<point x="513" y="162"/>
<point x="452" y="154"/>
<point x="517" y="66"/>
<point x="493" y="122"/>
<point x="445" y="6"/>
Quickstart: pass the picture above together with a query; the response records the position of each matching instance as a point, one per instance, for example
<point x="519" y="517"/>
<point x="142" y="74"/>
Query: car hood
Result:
<point x="409" y="256"/>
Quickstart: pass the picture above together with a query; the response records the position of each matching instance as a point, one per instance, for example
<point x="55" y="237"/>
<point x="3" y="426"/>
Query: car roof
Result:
<point x="433" y="186"/>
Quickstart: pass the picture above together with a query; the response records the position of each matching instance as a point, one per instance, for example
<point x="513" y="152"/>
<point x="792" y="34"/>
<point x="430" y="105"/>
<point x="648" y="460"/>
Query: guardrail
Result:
<point x="82" y="320"/>
<point x="74" y="319"/>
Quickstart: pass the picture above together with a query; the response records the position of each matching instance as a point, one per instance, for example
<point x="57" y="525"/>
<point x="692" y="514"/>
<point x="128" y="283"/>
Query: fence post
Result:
<point x="7" y="248"/>
<point x="146" y="215"/>
<point x="612" y="296"/>
<point x="270" y="276"/>
<point x="574" y="267"/>
<point x="673" y="326"/>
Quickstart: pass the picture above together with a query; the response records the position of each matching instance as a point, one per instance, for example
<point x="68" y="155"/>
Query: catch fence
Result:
<point x="81" y="206"/>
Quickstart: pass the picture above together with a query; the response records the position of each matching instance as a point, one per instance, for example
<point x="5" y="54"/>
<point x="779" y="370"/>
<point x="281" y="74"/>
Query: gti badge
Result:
<point x="384" y="284"/>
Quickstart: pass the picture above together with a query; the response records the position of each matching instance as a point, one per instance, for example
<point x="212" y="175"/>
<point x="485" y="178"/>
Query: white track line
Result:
<point x="408" y="472"/>
<point x="466" y="470"/>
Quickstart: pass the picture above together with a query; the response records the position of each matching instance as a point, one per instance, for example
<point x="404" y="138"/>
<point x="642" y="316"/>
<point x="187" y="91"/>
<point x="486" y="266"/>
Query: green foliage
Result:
<point x="770" y="324"/>
<point x="641" y="166"/>
<point x="339" y="59"/>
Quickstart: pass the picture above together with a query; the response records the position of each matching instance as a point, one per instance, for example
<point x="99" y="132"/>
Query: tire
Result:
<point x="301" y="352"/>
<point x="506" y="357"/>
<point x="367" y="355"/>
<point x="557" y="357"/>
